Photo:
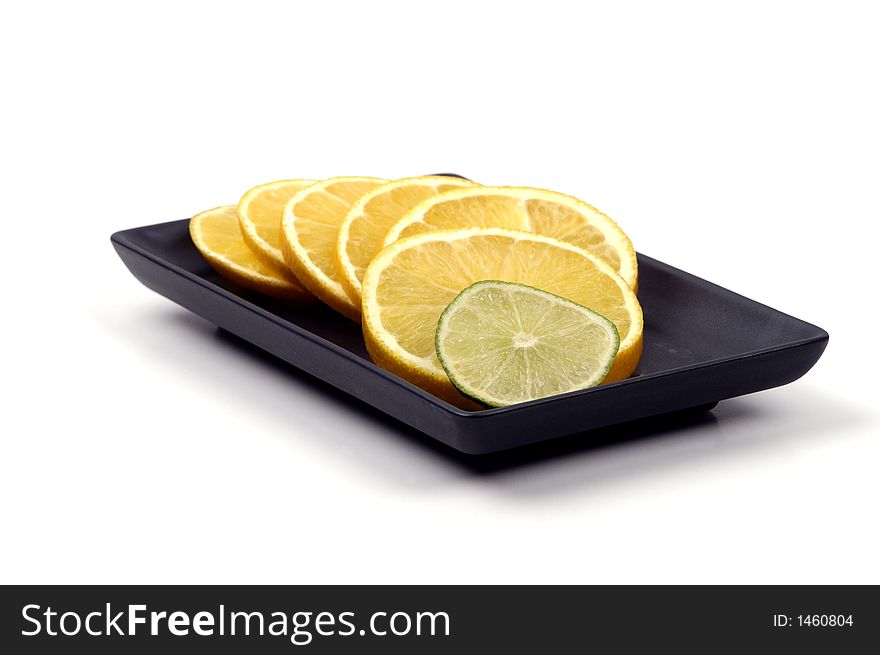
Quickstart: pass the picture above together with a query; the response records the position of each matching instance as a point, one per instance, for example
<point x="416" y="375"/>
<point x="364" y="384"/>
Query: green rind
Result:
<point x="481" y="283"/>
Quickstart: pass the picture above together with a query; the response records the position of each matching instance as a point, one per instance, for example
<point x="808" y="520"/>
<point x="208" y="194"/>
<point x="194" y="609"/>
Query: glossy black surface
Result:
<point x="703" y="344"/>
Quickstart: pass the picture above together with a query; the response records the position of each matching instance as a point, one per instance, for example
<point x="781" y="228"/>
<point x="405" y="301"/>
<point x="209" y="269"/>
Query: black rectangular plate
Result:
<point x="703" y="344"/>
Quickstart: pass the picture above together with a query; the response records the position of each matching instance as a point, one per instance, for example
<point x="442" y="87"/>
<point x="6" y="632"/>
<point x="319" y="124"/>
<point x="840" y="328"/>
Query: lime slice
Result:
<point x="503" y="343"/>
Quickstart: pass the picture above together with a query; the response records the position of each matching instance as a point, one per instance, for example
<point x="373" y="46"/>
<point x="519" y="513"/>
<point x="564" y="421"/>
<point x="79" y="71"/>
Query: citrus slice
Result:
<point x="259" y="213"/>
<point x="409" y="284"/>
<point x="502" y="343"/>
<point x="217" y="235"/>
<point x="540" y="211"/>
<point x="309" y="227"/>
<point x="362" y="231"/>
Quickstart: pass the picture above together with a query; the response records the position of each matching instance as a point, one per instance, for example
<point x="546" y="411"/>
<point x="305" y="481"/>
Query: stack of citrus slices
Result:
<point x="481" y="295"/>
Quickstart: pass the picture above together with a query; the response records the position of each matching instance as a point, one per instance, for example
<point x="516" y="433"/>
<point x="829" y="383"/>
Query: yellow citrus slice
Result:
<point x="409" y="284"/>
<point x="309" y="228"/>
<point x="259" y="213"/>
<point x="362" y="231"/>
<point x="217" y="235"/>
<point x="540" y="211"/>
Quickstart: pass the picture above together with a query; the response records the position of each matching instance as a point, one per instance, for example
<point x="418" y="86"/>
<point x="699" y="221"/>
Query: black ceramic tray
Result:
<point x="703" y="344"/>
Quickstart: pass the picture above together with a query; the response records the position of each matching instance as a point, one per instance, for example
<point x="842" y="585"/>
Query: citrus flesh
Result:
<point x="309" y="229"/>
<point x="364" y="228"/>
<point x="502" y="343"/>
<point x="409" y="283"/>
<point x="217" y="235"/>
<point x="540" y="211"/>
<point x="259" y="215"/>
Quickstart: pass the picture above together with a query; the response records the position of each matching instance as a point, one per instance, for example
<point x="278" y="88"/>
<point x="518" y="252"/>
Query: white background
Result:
<point x="740" y="144"/>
